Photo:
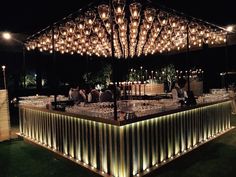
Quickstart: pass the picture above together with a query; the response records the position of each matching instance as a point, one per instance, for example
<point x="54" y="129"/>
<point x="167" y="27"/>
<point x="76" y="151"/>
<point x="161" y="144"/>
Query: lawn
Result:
<point x="19" y="159"/>
<point x="214" y="159"/>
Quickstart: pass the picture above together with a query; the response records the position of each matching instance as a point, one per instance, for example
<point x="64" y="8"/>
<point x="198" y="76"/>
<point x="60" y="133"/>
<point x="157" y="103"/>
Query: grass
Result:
<point x="214" y="159"/>
<point x="19" y="159"/>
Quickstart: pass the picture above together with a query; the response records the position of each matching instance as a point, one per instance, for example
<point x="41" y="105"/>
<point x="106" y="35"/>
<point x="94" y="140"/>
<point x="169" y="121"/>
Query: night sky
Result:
<point x="29" y="17"/>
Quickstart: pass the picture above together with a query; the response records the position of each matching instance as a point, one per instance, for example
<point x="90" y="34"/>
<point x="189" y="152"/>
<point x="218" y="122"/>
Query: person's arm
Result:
<point x="89" y="97"/>
<point x="174" y="94"/>
<point x="185" y="94"/>
<point x="81" y="92"/>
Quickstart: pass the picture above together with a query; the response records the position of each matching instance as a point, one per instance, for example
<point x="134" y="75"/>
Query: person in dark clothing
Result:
<point x="93" y="95"/>
<point x="106" y="96"/>
<point x="178" y="93"/>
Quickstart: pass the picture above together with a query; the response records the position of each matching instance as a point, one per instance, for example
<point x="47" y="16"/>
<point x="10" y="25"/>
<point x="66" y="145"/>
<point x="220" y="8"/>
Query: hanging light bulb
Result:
<point x="56" y="33"/>
<point x="63" y="30"/>
<point x="156" y="26"/>
<point x="134" y="22"/>
<point x="87" y="31"/>
<point x="89" y="18"/>
<point x="48" y="38"/>
<point x="201" y="30"/>
<point x="133" y="31"/>
<point x="119" y="18"/>
<point x="193" y="27"/>
<point x="168" y="30"/>
<point x="174" y="22"/>
<point x="123" y="26"/>
<point x="78" y="35"/>
<point x="162" y="32"/>
<point x="108" y="26"/>
<point x="122" y="33"/>
<point x="31" y="45"/>
<point x="70" y="27"/>
<point x="79" y="21"/>
<point x="96" y="26"/>
<point x="118" y="6"/>
<point x="69" y="38"/>
<point x="163" y="18"/>
<point x="135" y="9"/>
<point x="149" y="14"/>
<point x="103" y="11"/>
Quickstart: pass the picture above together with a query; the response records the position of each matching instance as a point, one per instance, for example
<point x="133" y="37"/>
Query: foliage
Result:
<point x="169" y="72"/>
<point x="135" y="75"/>
<point x="160" y="77"/>
<point x="165" y="74"/>
<point x="30" y="80"/>
<point x="100" y="77"/>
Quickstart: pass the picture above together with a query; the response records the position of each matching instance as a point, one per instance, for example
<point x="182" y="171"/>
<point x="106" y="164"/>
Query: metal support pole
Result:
<point x="166" y="78"/>
<point x="4" y="78"/>
<point x="187" y="58"/>
<point x="113" y="60"/>
<point x="226" y="63"/>
<point x="86" y="68"/>
<point x="24" y="68"/>
<point x="54" y="68"/>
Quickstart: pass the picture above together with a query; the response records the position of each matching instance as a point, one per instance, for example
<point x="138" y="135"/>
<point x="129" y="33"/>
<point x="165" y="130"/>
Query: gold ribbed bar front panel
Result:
<point x="128" y="150"/>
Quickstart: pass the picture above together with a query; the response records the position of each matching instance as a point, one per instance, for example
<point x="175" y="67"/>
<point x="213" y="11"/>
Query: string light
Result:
<point x="138" y="31"/>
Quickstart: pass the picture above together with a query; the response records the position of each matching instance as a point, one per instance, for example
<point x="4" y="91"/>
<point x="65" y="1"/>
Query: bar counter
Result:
<point x="124" y="148"/>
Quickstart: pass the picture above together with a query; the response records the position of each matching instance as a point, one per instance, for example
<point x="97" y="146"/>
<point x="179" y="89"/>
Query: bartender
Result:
<point x="74" y="94"/>
<point x="178" y="93"/>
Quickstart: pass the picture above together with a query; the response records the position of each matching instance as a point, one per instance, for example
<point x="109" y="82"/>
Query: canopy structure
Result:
<point x="138" y="28"/>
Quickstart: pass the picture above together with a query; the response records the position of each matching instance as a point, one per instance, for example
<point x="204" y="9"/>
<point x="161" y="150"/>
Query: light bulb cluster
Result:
<point x="137" y="30"/>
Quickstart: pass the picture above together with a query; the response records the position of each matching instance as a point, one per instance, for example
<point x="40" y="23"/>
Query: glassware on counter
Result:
<point x="217" y="96"/>
<point x="40" y="101"/>
<point x="127" y="109"/>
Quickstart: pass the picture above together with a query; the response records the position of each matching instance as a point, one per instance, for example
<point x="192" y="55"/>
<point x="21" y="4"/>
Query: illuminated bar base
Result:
<point x="124" y="149"/>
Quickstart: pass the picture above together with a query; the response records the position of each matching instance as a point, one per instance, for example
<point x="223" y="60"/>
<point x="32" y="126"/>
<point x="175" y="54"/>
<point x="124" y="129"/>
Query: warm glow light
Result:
<point x="6" y="35"/>
<point x="3" y="68"/>
<point x="33" y="120"/>
<point x="142" y="31"/>
<point x="230" y="28"/>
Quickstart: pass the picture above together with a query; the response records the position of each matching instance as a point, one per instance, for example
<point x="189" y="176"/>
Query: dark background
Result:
<point x="30" y="16"/>
<point x="24" y="18"/>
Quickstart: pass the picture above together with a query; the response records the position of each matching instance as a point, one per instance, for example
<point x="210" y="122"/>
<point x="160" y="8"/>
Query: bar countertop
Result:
<point x="121" y="122"/>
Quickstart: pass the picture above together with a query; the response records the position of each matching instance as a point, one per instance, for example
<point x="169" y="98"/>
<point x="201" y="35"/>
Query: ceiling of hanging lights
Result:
<point x="138" y="29"/>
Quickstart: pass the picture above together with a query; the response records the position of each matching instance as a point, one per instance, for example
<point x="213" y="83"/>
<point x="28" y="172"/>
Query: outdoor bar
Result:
<point x="126" y="137"/>
<point x="128" y="147"/>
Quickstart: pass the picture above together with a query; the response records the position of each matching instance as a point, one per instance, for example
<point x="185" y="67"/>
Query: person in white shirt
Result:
<point x="70" y="93"/>
<point x="74" y="94"/>
<point x="233" y="98"/>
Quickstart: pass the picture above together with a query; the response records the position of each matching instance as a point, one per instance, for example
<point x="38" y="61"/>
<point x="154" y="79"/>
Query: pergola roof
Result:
<point x="139" y="28"/>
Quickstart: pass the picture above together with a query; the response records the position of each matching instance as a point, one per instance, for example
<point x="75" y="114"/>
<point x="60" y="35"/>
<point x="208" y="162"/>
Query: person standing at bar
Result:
<point x="93" y="95"/>
<point x="233" y="98"/>
<point x="82" y="96"/>
<point x="178" y="93"/>
<point x="74" y="94"/>
<point x="107" y="95"/>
